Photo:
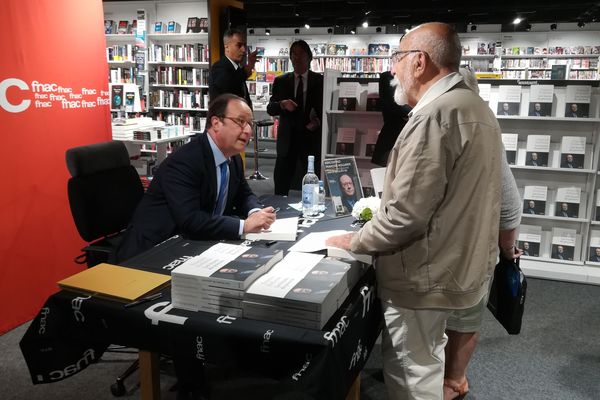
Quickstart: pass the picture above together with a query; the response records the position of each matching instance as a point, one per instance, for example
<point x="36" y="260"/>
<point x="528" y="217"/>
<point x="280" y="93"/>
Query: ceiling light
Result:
<point x="517" y="21"/>
<point x="378" y="29"/>
<point x="368" y="12"/>
<point x="553" y="27"/>
<point x="296" y="31"/>
<point x="365" y="24"/>
<point x="307" y="26"/>
<point x="251" y="31"/>
<point x="473" y="28"/>
<point x="581" y="24"/>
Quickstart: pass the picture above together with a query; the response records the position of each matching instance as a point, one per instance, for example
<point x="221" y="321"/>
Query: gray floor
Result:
<point x="556" y="356"/>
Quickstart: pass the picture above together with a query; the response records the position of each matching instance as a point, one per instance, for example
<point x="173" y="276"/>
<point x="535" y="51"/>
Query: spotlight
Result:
<point x="296" y="31"/>
<point x="307" y="26"/>
<point x="378" y="29"/>
<point x="267" y="32"/>
<point x="365" y="24"/>
<point x="251" y="31"/>
<point x="553" y="27"/>
<point x="473" y="28"/>
<point x="517" y="21"/>
<point x="528" y="27"/>
<point x="330" y="30"/>
<point x="581" y="24"/>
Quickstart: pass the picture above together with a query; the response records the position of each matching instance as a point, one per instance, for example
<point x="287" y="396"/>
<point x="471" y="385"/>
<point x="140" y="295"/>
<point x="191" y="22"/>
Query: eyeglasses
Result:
<point x="242" y="123"/>
<point x="397" y="56"/>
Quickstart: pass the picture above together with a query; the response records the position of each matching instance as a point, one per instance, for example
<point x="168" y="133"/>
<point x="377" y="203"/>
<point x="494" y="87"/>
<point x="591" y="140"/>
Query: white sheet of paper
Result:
<point x="314" y="241"/>
<point x="284" y="229"/>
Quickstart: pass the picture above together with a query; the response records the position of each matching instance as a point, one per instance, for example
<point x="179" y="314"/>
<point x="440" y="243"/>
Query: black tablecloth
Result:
<point x="72" y="331"/>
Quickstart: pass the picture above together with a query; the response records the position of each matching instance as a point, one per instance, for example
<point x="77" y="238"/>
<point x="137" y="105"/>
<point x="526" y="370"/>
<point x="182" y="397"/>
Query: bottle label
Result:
<point x="308" y="199"/>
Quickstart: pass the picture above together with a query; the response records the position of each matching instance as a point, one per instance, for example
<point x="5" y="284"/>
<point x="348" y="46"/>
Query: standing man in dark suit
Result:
<point x="298" y="100"/>
<point x="228" y="75"/>
<point x="200" y="191"/>
<point x="394" y="119"/>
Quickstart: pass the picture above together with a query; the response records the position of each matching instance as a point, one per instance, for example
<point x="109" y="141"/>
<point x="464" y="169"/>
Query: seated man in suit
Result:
<point x="228" y="75"/>
<point x="564" y="210"/>
<point x="200" y="191"/>
<point x="537" y="110"/>
<point x="569" y="162"/>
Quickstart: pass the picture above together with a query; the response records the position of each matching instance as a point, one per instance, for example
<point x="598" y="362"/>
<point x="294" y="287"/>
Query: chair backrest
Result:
<point x="377" y="176"/>
<point x="104" y="189"/>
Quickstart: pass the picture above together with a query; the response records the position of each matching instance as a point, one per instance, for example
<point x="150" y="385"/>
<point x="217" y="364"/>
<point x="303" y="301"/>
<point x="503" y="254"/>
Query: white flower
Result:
<point x="365" y="208"/>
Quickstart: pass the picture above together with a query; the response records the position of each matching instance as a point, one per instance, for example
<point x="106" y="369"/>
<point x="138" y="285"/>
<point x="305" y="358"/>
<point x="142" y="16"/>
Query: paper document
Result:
<point x="284" y="229"/>
<point x="315" y="241"/>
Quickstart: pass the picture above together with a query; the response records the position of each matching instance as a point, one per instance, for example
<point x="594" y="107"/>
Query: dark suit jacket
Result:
<point x="393" y="120"/>
<point x="224" y="78"/>
<point x="181" y="200"/>
<point x="292" y="124"/>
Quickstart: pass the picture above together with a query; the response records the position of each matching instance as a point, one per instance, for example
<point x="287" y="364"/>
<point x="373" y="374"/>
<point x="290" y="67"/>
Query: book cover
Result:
<point x="347" y="103"/>
<point x="510" y="142"/>
<point x="378" y="49"/>
<point x="538" y="147"/>
<point x="346" y="137"/>
<point x="160" y="27"/>
<point x="228" y="265"/>
<point x="349" y="93"/>
<point x="563" y="243"/>
<point x="572" y="152"/>
<point x="367" y="144"/>
<point x="568" y="200"/>
<point x="284" y="229"/>
<point x="558" y="72"/>
<point x="331" y="49"/>
<point x="594" y="254"/>
<point x="344" y="183"/>
<point x="204" y="25"/>
<point x="577" y="101"/>
<point x="540" y="100"/>
<point x="109" y="27"/>
<point x="115" y="282"/>
<point x="116" y="97"/>
<point x="509" y="100"/>
<point x="534" y="200"/>
<point x="129" y="101"/>
<point x="373" y="103"/>
<point x="123" y="27"/>
<point x="529" y="239"/>
<point x="173" y="27"/>
<point x="319" y="49"/>
<point x="193" y="25"/>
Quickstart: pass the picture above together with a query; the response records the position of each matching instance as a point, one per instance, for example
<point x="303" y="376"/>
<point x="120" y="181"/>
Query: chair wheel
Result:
<point x="118" y="389"/>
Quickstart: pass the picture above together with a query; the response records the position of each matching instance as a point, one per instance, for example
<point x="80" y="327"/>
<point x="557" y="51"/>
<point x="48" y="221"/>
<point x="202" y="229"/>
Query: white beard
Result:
<point x="399" y="93"/>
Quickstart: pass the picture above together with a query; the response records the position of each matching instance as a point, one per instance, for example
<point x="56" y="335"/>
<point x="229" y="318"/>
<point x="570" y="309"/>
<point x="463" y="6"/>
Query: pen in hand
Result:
<point x="144" y="299"/>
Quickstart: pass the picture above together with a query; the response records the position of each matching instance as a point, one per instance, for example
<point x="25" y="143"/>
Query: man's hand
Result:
<point x="340" y="241"/>
<point x="288" y="105"/>
<point x="511" y="253"/>
<point x="251" y="62"/>
<point x="259" y="220"/>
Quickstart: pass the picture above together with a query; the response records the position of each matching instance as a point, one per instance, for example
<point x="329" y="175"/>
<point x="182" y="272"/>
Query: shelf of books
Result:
<point x="164" y="50"/>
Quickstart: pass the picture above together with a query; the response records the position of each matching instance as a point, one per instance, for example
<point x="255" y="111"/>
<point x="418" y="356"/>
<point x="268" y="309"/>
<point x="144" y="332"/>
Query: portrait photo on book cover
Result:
<point x="540" y="109"/>
<point x="506" y="108"/>
<point x="536" y="159"/>
<point x="373" y="104"/>
<point x="343" y="182"/>
<point x="567" y="210"/>
<point x="369" y="149"/>
<point x="347" y="103"/>
<point x="577" y="110"/>
<point x="562" y="252"/>
<point x="531" y="249"/>
<point x="534" y="207"/>
<point x="569" y="160"/>
<point x="346" y="149"/>
<point x="594" y="254"/>
<point x="311" y="289"/>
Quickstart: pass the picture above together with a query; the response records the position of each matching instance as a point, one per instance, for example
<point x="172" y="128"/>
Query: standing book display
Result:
<point x="344" y="183"/>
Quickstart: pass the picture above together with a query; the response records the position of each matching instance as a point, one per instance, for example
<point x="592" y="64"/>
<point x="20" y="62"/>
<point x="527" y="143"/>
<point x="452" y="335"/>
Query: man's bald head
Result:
<point x="439" y="40"/>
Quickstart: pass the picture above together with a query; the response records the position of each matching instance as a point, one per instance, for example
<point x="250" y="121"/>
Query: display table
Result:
<point x="72" y="331"/>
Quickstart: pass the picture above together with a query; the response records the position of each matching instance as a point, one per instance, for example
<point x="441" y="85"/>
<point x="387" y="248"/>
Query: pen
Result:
<point x="276" y="209"/>
<point x="144" y="299"/>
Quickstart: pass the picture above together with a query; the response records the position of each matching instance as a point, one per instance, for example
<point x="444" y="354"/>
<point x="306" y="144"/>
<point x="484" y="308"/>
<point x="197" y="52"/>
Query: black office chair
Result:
<point x="103" y="193"/>
<point x="104" y="190"/>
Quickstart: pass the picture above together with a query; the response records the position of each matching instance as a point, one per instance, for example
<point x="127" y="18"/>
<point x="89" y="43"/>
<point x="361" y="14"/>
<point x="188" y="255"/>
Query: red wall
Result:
<point x="59" y="43"/>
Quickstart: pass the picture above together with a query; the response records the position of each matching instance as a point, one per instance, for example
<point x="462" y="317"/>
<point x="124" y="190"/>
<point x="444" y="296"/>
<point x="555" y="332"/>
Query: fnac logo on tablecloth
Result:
<point x="71" y="369"/>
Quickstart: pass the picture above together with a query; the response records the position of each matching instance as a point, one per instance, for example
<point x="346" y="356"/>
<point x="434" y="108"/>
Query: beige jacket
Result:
<point x="436" y="232"/>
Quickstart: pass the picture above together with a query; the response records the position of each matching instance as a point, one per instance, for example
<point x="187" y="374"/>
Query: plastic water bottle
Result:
<point x="321" y="202"/>
<point x="310" y="190"/>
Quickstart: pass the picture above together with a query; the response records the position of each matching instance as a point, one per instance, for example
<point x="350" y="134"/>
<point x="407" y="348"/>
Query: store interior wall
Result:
<point x="49" y="49"/>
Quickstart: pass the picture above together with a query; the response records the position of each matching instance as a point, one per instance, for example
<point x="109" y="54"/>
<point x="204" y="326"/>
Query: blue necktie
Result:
<point x="219" y="207"/>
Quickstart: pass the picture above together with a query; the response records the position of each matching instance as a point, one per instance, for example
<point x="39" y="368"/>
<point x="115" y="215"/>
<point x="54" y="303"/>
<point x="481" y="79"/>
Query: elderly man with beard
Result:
<point x="436" y="231"/>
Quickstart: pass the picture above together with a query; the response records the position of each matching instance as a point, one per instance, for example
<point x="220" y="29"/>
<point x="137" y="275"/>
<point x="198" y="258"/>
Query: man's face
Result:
<point x="569" y="157"/>
<point x="560" y="249"/>
<point x="231" y="133"/>
<point x="402" y="66"/>
<point x="574" y="107"/>
<point x="531" y="204"/>
<point x="505" y="106"/>
<point x="525" y="245"/>
<point x="537" y="106"/>
<point x="534" y="156"/>
<point x="300" y="59"/>
<point x="598" y="251"/>
<point x="345" y="101"/>
<point x="347" y="185"/>
<point x="235" y="48"/>
<point x="564" y="206"/>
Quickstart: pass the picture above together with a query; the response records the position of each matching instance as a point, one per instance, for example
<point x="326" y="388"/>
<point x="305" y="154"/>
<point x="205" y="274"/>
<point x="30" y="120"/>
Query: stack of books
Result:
<point x="215" y="280"/>
<point x="303" y="290"/>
